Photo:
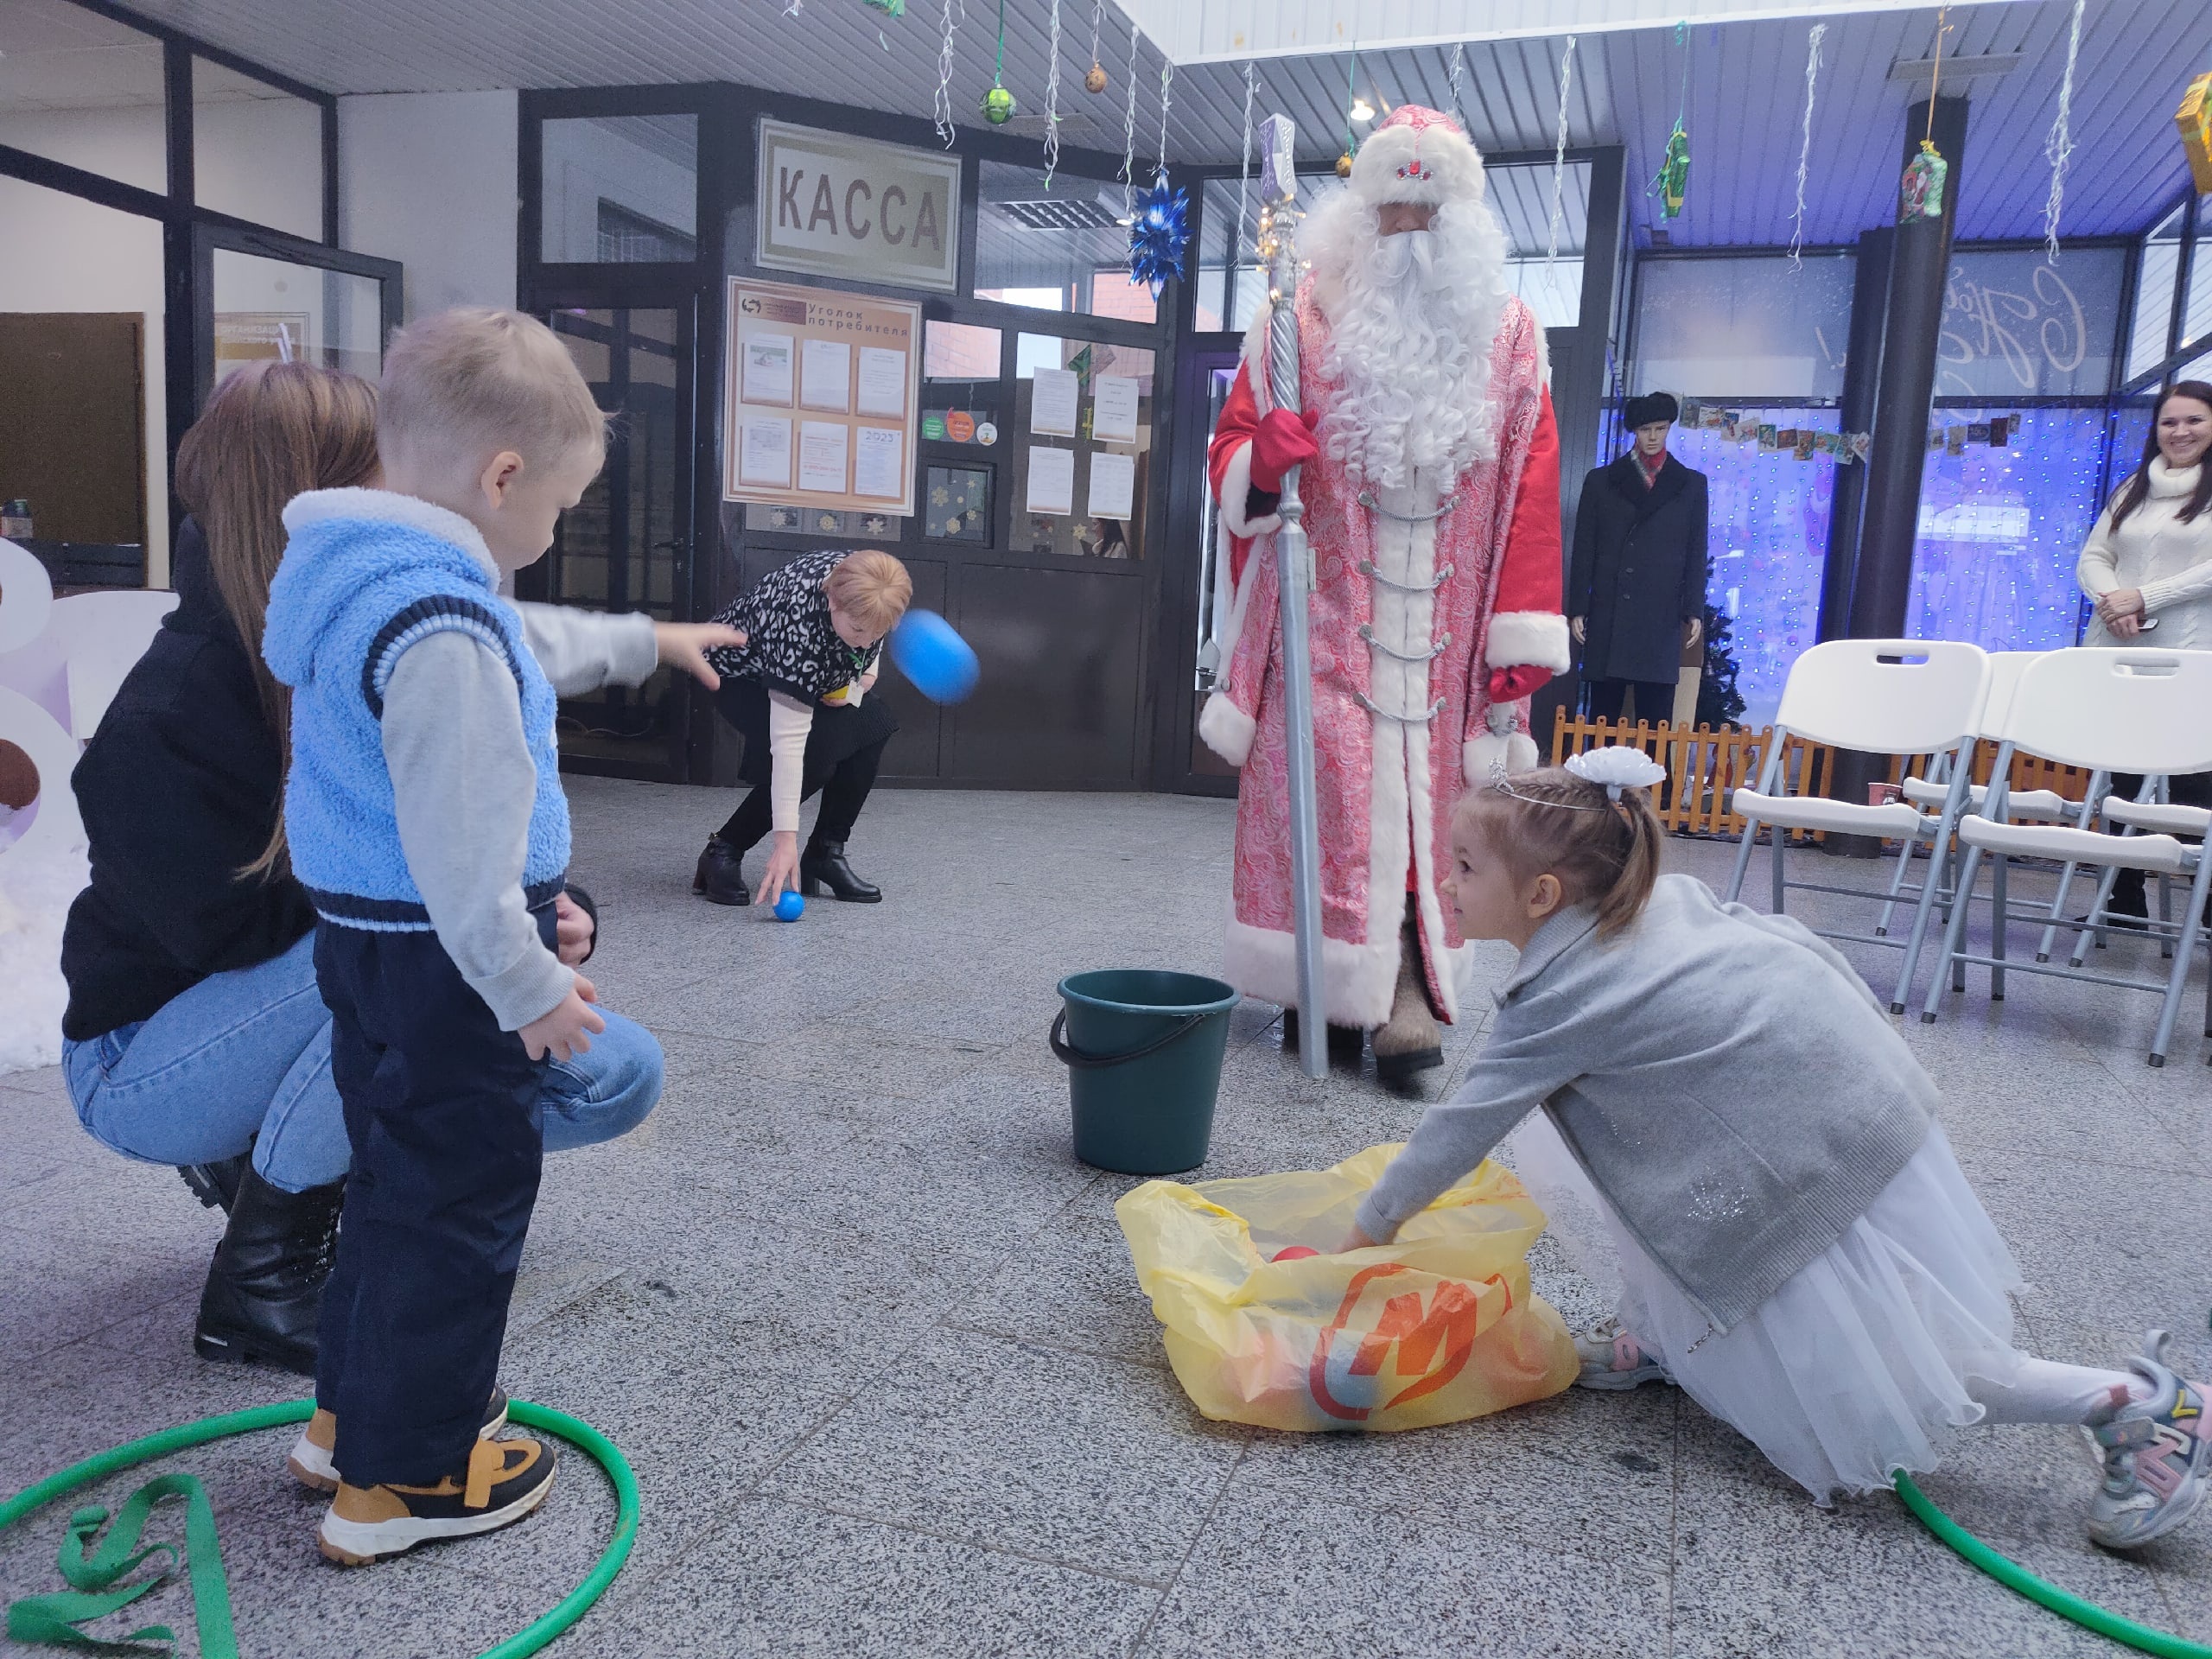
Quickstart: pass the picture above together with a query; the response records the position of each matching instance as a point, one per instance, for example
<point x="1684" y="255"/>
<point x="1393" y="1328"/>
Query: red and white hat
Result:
<point x="1417" y="155"/>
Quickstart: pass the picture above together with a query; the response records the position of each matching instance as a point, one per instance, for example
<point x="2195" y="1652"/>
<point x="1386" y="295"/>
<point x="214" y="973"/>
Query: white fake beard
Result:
<point x="1411" y="320"/>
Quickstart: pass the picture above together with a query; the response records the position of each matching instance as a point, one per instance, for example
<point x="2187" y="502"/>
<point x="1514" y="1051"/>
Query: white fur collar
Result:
<point x="319" y="506"/>
<point x="2168" y="481"/>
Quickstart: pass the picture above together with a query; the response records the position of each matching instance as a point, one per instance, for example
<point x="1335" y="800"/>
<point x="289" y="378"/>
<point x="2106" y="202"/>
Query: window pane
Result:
<point x="272" y="308"/>
<point x="2001" y="524"/>
<point x="2196" y="312"/>
<point x="620" y="189"/>
<point x="1232" y="220"/>
<point x="76" y="87"/>
<point x="2154" y="297"/>
<point x="1065" y="248"/>
<point x="1768" y="539"/>
<point x="1550" y="285"/>
<point x="2017" y="326"/>
<point x="1100" y="513"/>
<point x="1742" y="328"/>
<point x="257" y="152"/>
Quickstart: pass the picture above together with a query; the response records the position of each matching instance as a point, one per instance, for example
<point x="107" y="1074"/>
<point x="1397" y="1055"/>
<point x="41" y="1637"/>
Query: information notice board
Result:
<point x="824" y="394"/>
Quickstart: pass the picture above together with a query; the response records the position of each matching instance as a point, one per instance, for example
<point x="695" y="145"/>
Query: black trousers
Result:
<point x="1655" y="699"/>
<point x="441" y="1108"/>
<point x="2184" y="789"/>
<point x="844" y="746"/>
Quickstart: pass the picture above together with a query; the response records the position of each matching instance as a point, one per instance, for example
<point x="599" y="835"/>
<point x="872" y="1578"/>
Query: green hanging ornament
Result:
<point x="998" y="107"/>
<point x="1921" y="195"/>
<point x="1674" y="175"/>
<point x="888" y="7"/>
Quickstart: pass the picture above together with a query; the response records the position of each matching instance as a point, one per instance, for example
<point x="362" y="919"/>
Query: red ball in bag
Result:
<point x="1294" y="1253"/>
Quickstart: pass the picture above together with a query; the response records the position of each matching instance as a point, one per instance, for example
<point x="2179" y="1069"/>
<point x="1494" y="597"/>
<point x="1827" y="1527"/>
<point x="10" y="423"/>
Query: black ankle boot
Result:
<point x="216" y="1184"/>
<point x="721" y="875"/>
<point x="823" y="865"/>
<point x="264" y="1286"/>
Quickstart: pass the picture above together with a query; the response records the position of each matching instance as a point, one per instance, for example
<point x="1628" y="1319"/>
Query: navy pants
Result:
<point x="441" y="1108"/>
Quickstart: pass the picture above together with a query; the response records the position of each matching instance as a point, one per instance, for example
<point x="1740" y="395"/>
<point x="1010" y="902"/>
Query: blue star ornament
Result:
<point x="1159" y="232"/>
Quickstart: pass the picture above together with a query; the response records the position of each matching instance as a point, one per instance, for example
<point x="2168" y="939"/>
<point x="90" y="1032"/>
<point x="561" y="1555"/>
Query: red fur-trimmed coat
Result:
<point x="1478" y="587"/>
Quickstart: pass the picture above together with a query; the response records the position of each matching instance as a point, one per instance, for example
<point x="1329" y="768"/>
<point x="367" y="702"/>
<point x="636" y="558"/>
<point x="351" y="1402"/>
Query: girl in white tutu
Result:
<point x="1798" y="1248"/>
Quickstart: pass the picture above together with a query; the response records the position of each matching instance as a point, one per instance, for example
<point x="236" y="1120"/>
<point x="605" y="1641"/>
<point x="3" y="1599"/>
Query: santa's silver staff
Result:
<point x="1294" y="581"/>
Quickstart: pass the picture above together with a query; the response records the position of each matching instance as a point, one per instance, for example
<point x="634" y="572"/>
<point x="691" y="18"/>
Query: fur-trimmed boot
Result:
<point x="1407" y="1043"/>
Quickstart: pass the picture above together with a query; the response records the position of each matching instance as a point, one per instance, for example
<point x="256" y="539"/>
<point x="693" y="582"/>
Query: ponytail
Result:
<point x="1604" y="851"/>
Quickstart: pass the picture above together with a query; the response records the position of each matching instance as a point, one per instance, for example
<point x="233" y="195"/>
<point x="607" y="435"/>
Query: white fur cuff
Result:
<point x="1235" y="490"/>
<point x="1531" y="638"/>
<point x="1226" y="729"/>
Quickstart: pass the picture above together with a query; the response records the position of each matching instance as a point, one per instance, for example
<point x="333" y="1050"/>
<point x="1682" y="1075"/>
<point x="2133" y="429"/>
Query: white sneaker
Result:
<point x="2157" y="1457"/>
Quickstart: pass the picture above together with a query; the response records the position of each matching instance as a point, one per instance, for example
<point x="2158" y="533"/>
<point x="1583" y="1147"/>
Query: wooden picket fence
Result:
<point x="1704" y="765"/>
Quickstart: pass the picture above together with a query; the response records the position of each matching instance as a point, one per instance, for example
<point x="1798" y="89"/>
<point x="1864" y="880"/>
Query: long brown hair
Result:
<point x="270" y="432"/>
<point x="1550" y="822"/>
<point x="2137" y="489"/>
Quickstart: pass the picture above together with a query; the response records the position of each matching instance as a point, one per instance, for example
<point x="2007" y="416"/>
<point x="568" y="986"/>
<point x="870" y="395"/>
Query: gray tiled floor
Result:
<point x="870" y="1336"/>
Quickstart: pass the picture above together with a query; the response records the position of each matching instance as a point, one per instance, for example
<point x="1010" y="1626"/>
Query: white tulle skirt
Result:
<point x="1859" y="1365"/>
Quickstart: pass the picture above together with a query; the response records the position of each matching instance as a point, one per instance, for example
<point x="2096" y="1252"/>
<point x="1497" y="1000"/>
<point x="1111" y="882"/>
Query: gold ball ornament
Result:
<point x="998" y="107"/>
<point x="1343" y="165"/>
<point x="1094" y="80"/>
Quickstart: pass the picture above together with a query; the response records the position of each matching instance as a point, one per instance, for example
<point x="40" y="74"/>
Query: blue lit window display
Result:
<point x="1767" y="543"/>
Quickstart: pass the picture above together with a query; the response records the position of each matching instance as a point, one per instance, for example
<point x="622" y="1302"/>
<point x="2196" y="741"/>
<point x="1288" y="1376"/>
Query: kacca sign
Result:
<point x="830" y="205"/>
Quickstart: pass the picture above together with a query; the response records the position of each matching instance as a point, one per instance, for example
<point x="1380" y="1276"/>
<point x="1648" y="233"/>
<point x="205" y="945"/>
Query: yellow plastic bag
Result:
<point x="1437" y="1327"/>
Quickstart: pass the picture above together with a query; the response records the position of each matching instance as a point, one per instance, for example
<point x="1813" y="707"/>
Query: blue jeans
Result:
<point x="246" y="1054"/>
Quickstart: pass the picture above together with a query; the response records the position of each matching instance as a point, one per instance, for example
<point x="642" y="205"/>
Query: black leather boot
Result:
<point x="823" y="865"/>
<point x="264" y="1286"/>
<point x="721" y="875"/>
<point x="216" y="1184"/>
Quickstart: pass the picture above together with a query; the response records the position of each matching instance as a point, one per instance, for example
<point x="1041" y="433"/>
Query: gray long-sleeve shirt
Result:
<point x="1728" y="1081"/>
<point x="463" y="784"/>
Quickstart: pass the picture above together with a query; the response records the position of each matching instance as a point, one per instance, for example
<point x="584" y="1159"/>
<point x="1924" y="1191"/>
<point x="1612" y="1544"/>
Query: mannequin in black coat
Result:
<point x="1636" y="585"/>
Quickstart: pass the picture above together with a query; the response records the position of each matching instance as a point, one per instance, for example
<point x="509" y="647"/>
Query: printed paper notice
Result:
<point x="826" y="375"/>
<point x="1114" y="410"/>
<point x="1051" y="478"/>
<point x="822" y="456"/>
<point x="883" y="382"/>
<point x="1052" y="404"/>
<point x="1113" y="485"/>
<point x="766" y="451"/>
<point x="876" y="461"/>
<point x="768" y="368"/>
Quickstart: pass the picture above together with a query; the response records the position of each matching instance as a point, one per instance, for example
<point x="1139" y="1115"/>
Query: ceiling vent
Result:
<point x="1079" y="215"/>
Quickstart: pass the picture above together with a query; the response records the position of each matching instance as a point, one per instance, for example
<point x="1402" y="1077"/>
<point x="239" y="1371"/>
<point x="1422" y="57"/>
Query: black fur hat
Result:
<point x="1652" y="406"/>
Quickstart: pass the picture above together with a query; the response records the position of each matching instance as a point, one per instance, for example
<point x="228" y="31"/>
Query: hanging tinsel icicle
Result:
<point x="2060" y="144"/>
<point x="1805" y="144"/>
<point x="943" y="106"/>
<point x="1129" y="129"/>
<point x="1458" y="66"/>
<point x="1244" y="178"/>
<point x="1052" y="101"/>
<point x="1159" y="229"/>
<point x="1558" y="153"/>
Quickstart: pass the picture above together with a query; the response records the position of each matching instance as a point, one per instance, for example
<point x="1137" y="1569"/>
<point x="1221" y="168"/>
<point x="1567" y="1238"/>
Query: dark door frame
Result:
<point x="210" y="236"/>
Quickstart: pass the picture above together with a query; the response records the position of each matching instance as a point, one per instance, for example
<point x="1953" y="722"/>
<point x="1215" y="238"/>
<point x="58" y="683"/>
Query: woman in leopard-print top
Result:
<point x="797" y="689"/>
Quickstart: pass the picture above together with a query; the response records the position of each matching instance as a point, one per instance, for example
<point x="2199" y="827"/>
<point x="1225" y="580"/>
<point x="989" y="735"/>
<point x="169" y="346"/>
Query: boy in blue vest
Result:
<point x="427" y="820"/>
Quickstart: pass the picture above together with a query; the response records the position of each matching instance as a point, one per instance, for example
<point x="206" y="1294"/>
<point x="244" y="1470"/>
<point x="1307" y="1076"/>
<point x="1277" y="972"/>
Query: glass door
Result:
<point x="1183" y="763"/>
<point x="265" y="295"/>
<point x="626" y="545"/>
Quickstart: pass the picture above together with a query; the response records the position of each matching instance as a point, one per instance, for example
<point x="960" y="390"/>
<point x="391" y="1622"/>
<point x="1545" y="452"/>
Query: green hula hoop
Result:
<point x="528" y="1640"/>
<point x="2013" y="1576"/>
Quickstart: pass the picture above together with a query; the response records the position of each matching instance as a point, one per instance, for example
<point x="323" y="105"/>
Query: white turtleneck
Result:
<point x="2154" y="551"/>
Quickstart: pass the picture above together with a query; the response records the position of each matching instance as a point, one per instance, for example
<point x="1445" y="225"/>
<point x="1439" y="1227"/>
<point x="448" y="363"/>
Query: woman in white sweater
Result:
<point x="2148" y="565"/>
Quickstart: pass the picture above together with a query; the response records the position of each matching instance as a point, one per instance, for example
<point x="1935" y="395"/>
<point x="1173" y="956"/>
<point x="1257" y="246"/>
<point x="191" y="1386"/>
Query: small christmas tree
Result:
<point x="1719" y="702"/>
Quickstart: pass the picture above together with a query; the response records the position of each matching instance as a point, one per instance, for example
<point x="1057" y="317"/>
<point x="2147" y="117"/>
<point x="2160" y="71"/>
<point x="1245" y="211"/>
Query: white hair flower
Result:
<point x="1614" y="768"/>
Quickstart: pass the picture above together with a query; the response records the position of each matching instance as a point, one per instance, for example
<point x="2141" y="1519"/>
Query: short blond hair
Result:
<point x="476" y="380"/>
<point x="872" y="587"/>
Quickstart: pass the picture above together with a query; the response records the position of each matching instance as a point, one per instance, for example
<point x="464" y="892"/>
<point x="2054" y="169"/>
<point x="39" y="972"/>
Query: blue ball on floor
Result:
<point x="789" y="906"/>
<point x="941" y="665"/>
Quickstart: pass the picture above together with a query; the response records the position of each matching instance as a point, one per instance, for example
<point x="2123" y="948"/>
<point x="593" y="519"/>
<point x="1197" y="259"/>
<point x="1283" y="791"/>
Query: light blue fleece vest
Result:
<point x="365" y="575"/>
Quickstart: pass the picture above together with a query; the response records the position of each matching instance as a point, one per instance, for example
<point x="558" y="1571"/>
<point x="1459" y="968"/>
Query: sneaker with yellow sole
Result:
<point x="309" y="1459"/>
<point x="504" y="1481"/>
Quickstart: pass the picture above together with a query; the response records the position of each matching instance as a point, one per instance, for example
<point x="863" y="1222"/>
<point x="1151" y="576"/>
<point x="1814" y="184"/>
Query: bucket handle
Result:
<point x="1082" y="1062"/>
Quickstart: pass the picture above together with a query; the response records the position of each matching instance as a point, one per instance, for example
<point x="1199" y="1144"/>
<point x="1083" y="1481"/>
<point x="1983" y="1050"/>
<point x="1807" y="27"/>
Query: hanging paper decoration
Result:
<point x="1094" y="80"/>
<point x="1805" y="145"/>
<point x="943" y="110"/>
<point x="1157" y="233"/>
<point x="1920" y="196"/>
<point x="1673" y="178"/>
<point x="2195" y="120"/>
<point x="2059" y="145"/>
<point x="998" y="102"/>
<point x="1559" y="155"/>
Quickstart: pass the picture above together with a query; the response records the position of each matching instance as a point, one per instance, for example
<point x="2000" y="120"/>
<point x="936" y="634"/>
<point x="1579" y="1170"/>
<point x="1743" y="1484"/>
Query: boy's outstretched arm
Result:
<point x="581" y="650"/>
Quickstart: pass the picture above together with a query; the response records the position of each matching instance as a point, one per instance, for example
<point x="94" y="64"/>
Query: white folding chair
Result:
<point x="1884" y="696"/>
<point x="2124" y="709"/>
<point x="2149" y="810"/>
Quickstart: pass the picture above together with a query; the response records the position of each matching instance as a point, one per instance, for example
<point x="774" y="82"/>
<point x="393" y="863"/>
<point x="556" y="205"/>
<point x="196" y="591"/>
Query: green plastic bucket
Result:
<point x="1143" y="1048"/>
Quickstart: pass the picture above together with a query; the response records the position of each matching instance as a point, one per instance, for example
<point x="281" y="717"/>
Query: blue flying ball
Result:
<point x="789" y="905"/>
<point x="941" y="665"/>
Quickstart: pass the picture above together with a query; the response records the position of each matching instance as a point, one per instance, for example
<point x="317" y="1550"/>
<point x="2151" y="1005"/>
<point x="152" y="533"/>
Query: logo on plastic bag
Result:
<point x="1432" y="1344"/>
